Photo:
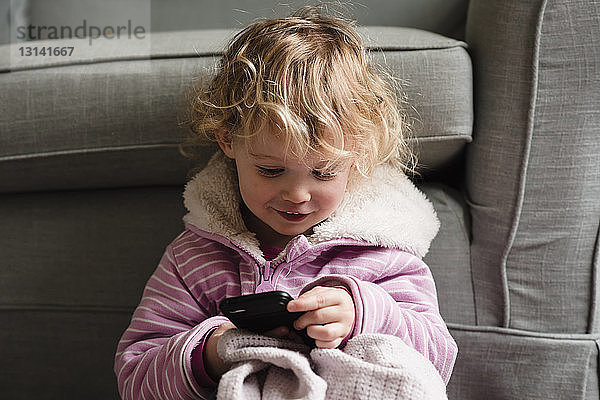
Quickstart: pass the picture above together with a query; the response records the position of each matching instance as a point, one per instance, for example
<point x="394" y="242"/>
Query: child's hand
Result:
<point x="214" y="365"/>
<point x="329" y="316"/>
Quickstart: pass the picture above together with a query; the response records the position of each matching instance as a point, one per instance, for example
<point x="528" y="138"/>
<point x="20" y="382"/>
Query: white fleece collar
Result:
<point x="385" y="210"/>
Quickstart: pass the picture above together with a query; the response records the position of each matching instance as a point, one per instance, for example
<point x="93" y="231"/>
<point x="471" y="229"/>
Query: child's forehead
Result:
<point x="271" y="143"/>
<point x="276" y="150"/>
<point x="269" y="140"/>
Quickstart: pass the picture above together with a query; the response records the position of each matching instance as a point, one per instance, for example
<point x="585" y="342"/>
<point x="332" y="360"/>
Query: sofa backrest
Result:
<point x="125" y="107"/>
<point x="533" y="168"/>
<point x="446" y="17"/>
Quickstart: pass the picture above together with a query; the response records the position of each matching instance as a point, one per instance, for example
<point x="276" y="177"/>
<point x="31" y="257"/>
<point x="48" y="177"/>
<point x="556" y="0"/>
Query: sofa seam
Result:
<point x="467" y="237"/>
<point x="522" y="182"/>
<point x="157" y="146"/>
<point x="58" y="153"/>
<point x="66" y="308"/>
<point x="593" y="317"/>
<point x="524" y="333"/>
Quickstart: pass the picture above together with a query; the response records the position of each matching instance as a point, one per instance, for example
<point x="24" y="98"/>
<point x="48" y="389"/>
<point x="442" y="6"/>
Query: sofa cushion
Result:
<point x="122" y="105"/>
<point x="74" y="267"/>
<point x="449" y="256"/>
<point x="506" y="364"/>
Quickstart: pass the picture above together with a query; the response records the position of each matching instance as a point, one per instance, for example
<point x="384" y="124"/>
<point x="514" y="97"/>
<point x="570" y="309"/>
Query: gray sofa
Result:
<point x="508" y="121"/>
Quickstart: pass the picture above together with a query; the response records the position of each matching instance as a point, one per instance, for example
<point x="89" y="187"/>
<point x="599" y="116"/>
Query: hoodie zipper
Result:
<point x="265" y="272"/>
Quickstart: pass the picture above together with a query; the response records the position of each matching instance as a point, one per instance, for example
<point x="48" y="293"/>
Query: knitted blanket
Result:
<point x="371" y="366"/>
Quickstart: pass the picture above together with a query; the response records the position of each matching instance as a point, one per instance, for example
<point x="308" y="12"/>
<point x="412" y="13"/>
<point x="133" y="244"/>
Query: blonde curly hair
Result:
<point x="308" y="78"/>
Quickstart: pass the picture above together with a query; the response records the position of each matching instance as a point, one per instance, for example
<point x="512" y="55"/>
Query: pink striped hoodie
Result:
<point x="371" y="245"/>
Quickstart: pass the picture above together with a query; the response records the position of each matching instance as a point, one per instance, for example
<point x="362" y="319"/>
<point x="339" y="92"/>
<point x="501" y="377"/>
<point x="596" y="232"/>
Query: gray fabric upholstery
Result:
<point x="502" y="364"/>
<point x="91" y="182"/>
<point x="12" y="13"/>
<point x="449" y="256"/>
<point x="446" y="17"/>
<point x="535" y="229"/>
<point x="74" y="265"/>
<point x="442" y="16"/>
<point x="79" y="110"/>
<point x="93" y="256"/>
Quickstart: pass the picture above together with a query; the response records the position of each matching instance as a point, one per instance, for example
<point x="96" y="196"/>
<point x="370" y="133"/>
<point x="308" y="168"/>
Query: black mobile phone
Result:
<point x="261" y="312"/>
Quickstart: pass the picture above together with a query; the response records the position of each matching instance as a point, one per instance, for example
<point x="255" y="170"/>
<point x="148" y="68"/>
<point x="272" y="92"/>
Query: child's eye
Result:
<point x="269" y="171"/>
<point x="324" y="175"/>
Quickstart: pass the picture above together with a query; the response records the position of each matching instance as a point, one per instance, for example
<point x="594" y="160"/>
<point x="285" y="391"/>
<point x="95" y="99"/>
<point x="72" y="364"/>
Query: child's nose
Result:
<point x="296" y="194"/>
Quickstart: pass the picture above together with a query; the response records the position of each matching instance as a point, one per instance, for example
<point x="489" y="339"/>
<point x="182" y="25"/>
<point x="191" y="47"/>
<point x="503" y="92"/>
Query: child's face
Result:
<point x="287" y="196"/>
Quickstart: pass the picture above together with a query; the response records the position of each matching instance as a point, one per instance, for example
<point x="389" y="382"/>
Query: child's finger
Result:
<point x="327" y="333"/>
<point x="317" y="297"/>
<point x="318" y="317"/>
<point x="224" y="327"/>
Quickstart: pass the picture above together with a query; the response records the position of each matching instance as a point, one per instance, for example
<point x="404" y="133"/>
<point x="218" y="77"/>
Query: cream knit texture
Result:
<point x="370" y="366"/>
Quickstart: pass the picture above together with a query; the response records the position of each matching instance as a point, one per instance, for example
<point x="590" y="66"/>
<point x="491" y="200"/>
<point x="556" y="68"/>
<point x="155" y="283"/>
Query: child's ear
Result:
<point x="225" y="141"/>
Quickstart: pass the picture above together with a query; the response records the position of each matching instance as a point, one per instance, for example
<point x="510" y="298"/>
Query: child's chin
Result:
<point x="290" y="232"/>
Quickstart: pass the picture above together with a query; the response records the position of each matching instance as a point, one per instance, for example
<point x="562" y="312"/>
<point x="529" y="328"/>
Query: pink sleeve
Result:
<point x="198" y="367"/>
<point x="153" y="359"/>
<point x="402" y="302"/>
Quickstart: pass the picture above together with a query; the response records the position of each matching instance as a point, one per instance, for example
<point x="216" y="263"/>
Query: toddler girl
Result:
<point x="308" y="195"/>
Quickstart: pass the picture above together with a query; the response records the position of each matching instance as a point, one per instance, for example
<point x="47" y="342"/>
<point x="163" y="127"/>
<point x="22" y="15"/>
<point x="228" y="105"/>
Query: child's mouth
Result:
<point x="292" y="216"/>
